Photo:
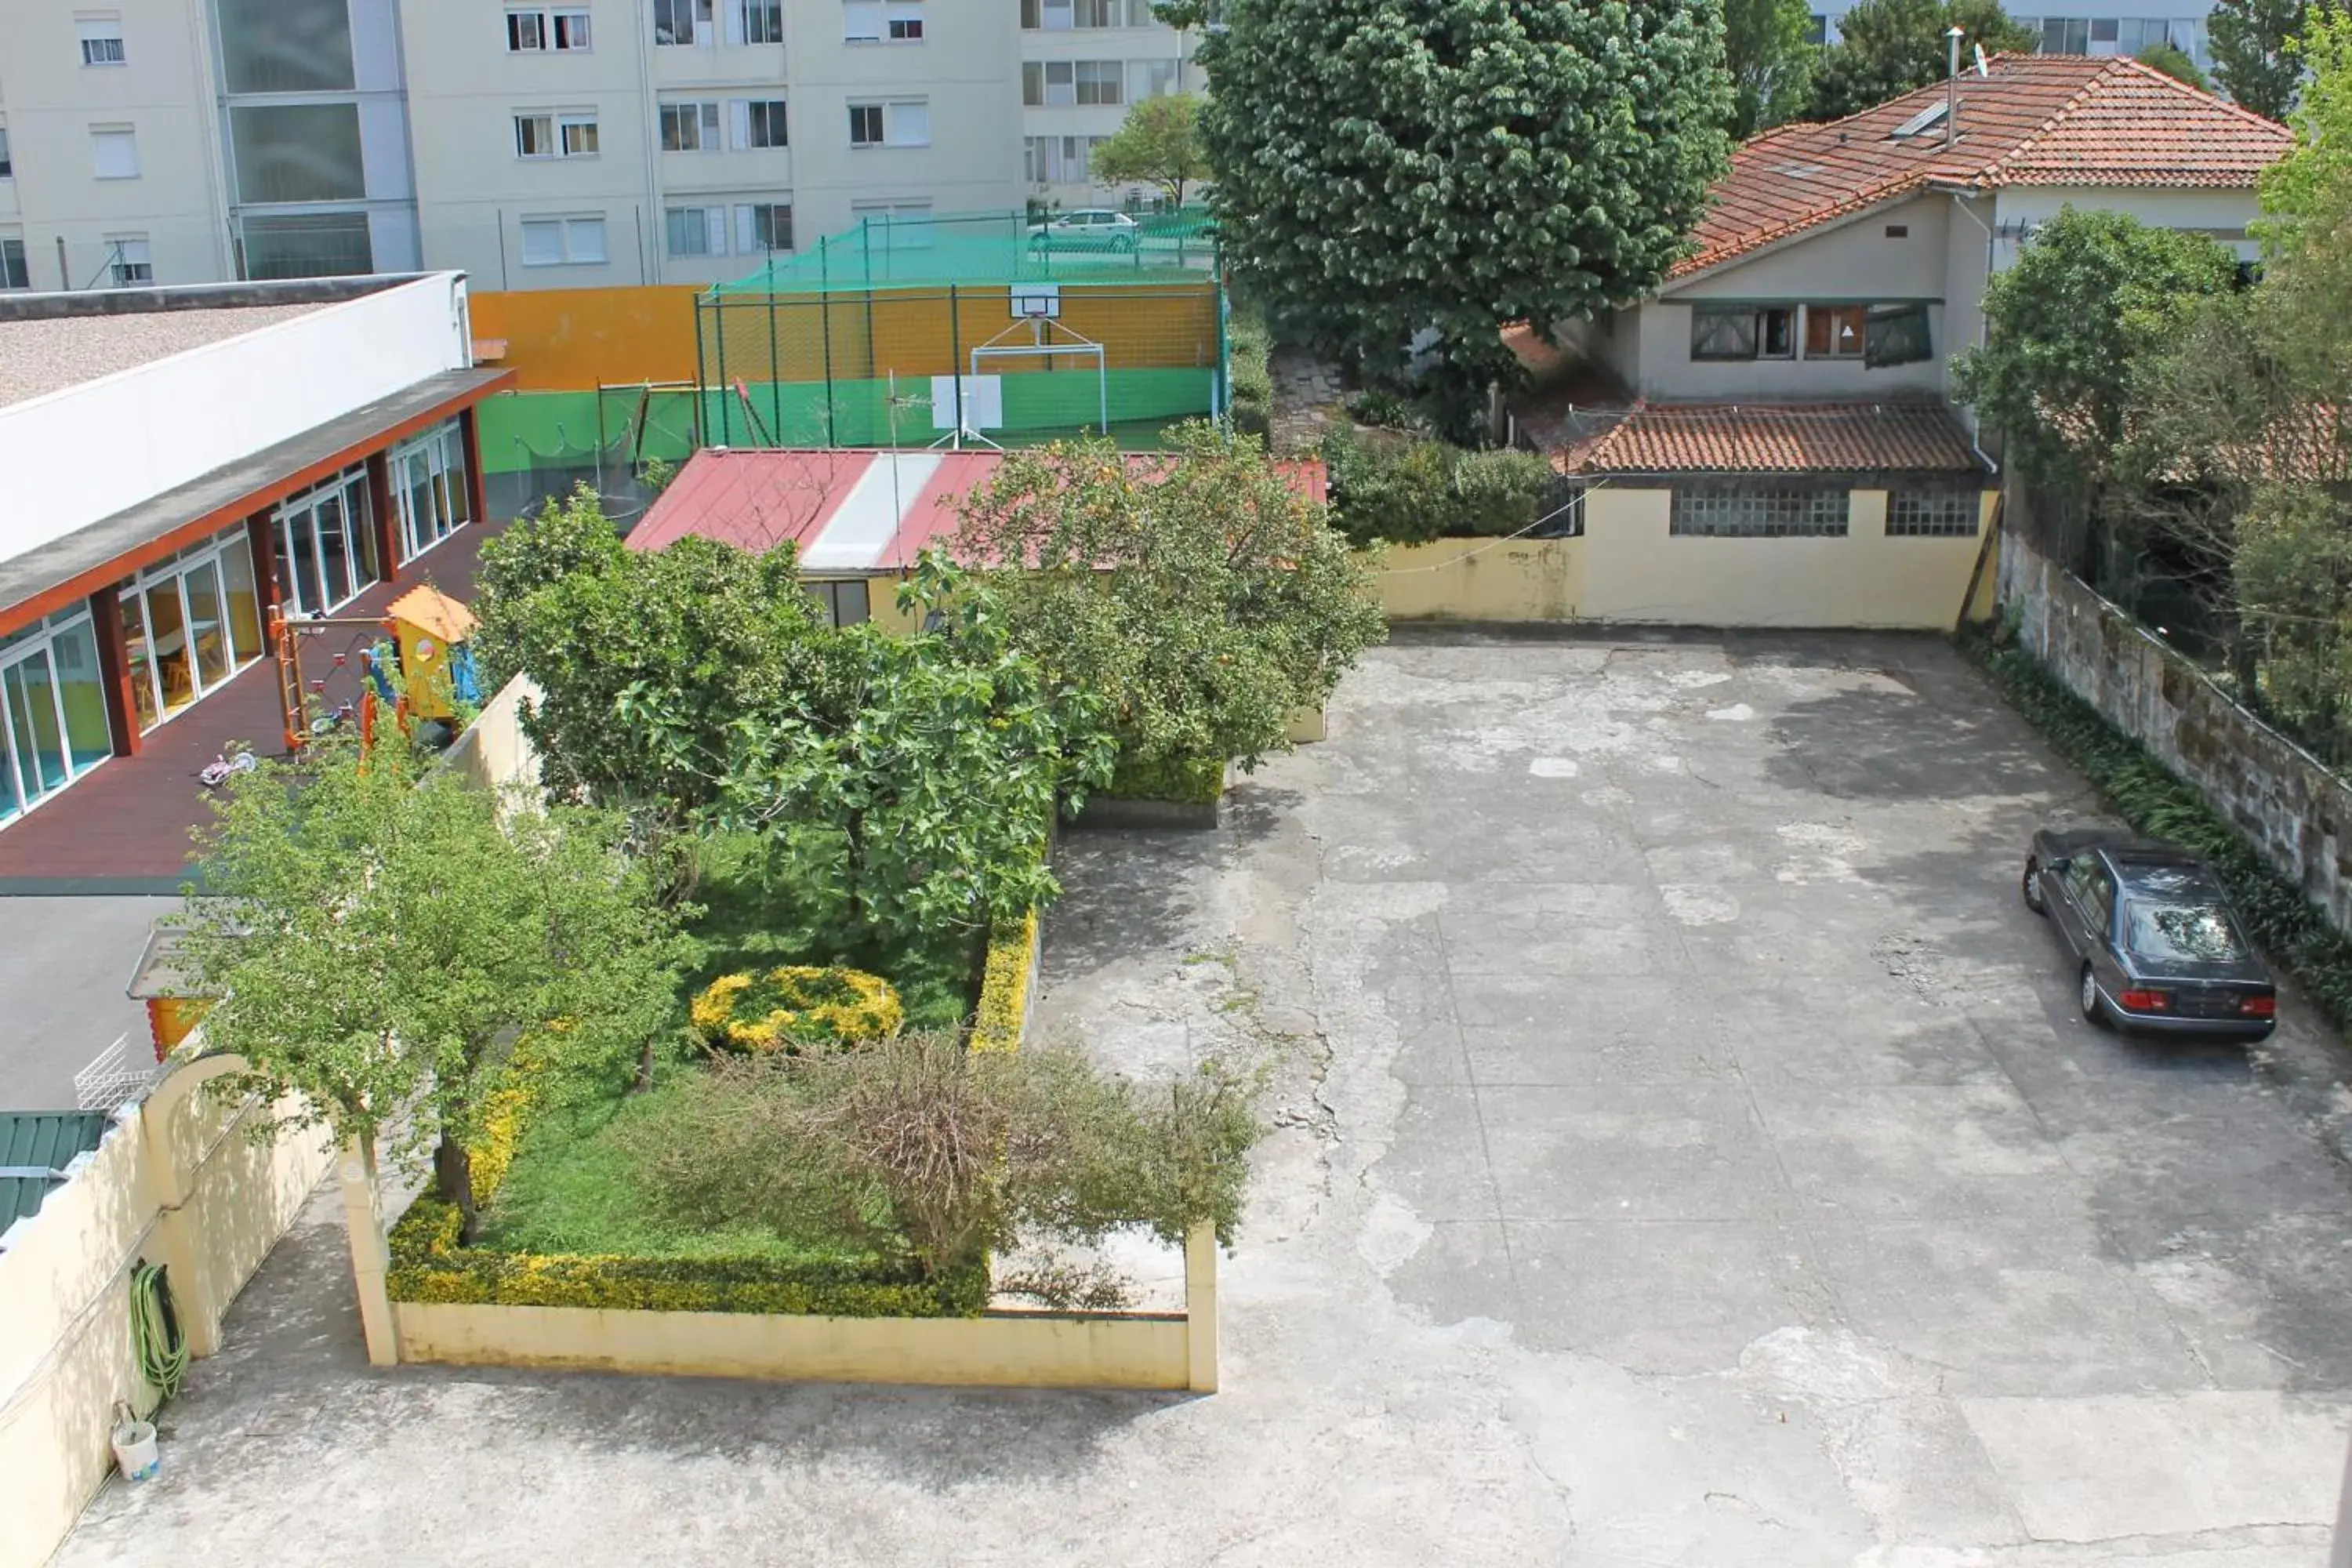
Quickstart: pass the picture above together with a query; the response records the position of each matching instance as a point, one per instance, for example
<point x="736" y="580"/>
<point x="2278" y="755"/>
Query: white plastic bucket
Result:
<point x="134" y="1449"/>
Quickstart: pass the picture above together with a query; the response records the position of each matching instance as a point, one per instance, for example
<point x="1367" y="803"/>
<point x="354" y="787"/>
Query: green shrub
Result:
<point x="427" y="1265"/>
<point x="1380" y="407"/>
<point x="1408" y="490"/>
<point x="796" y="1007"/>
<point x="1251" y="348"/>
<point x="1004" y="984"/>
<point x="1194" y="781"/>
<point x="2294" y="930"/>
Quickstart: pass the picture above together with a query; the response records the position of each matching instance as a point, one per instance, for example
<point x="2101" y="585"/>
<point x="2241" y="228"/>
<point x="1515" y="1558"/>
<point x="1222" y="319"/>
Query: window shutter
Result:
<point x="910" y="124"/>
<point x="747" y="231"/>
<point x="861" y="21"/>
<point x="714" y="228"/>
<point x="740" y="112"/>
<point x="542" y="243"/>
<point x="734" y="21"/>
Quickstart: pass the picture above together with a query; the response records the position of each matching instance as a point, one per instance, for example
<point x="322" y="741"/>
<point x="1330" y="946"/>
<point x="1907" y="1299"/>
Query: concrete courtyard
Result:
<point x="1687" y="1152"/>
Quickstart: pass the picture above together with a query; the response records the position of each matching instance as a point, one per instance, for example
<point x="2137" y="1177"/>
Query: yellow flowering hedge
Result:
<point x="797" y="1007"/>
<point x="1004" y="984"/>
<point x="427" y="1265"/>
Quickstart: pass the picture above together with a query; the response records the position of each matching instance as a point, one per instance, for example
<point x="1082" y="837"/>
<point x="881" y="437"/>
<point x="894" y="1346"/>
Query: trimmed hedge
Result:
<point x="427" y="1265"/>
<point x="1250" y="348"/>
<point x="797" y="1007"/>
<point x="1194" y="781"/>
<point x="1004" y="984"/>
<point x="1410" y="489"/>
<point x="2156" y="801"/>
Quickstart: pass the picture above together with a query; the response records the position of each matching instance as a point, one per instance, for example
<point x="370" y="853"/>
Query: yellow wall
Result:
<point x="1628" y="568"/>
<point x="176" y="1182"/>
<point x="572" y="339"/>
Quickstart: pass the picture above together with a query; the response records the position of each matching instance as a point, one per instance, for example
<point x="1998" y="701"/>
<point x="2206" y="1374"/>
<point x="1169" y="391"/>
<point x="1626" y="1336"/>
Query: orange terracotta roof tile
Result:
<point x="1776" y="439"/>
<point x="2036" y="120"/>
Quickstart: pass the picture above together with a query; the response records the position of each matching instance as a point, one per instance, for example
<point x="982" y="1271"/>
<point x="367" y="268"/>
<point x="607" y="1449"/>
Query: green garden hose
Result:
<point x="155" y="1336"/>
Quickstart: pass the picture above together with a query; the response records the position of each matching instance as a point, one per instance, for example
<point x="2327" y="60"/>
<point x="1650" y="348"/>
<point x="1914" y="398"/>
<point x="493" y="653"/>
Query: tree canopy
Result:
<point x="2175" y="62"/>
<point x="383" y="935"/>
<point x="1158" y="144"/>
<point x="1770" y="48"/>
<point x="2254" y="59"/>
<point x="1388" y="167"/>
<point x="1203" y="595"/>
<point x="1889" y="47"/>
<point x="2073" y="327"/>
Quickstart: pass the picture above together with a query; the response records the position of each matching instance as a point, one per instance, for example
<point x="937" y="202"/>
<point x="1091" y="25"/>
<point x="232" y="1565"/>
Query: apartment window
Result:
<point x="694" y="231"/>
<point x="307" y="244"/>
<point x="843" y="602"/>
<point x="682" y="23"/>
<point x="903" y="20"/>
<point x="1150" y="79"/>
<point x="689" y="128"/>
<point x="130" y="260"/>
<point x="1896" y="334"/>
<point x="1722" y="333"/>
<point x="1933" y="511"/>
<point x="1047" y="15"/>
<point x="114" y="152"/>
<point x="763" y="227"/>
<point x="430" y="496"/>
<point x="1059" y="84"/>
<point x="7" y="167"/>
<point x="555" y="135"/>
<point x="1834" y="332"/>
<point x="1744" y="510"/>
<point x="563" y="242"/>
<point x="101" y="38"/>
<point x="13" y="273"/>
<point x="1101" y="81"/>
<point x="861" y="21"/>
<point x="902" y="123"/>
<point x="763" y="21"/>
<point x="761" y="124"/>
<point x="297" y="152"/>
<point x="531" y="32"/>
<point x="2066" y="36"/>
<point x="287" y="46"/>
<point x="1061" y="160"/>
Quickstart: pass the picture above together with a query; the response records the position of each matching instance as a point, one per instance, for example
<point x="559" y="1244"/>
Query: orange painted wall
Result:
<point x="569" y="339"/>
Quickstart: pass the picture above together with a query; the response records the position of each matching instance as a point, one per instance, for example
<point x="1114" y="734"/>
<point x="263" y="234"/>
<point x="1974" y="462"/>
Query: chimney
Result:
<point x="1952" y="87"/>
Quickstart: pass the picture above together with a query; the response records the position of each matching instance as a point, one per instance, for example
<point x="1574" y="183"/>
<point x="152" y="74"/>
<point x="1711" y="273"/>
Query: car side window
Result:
<point x="2099" y="900"/>
<point x="2078" y="878"/>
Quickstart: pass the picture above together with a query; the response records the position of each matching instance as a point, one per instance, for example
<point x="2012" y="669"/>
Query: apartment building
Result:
<point x="539" y="144"/>
<point x="2095" y="27"/>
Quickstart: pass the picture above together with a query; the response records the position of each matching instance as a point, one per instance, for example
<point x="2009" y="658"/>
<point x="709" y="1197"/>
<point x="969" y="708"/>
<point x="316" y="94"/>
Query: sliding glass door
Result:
<point x="189" y="624"/>
<point x="429" y="488"/>
<point x="326" y="546"/>
<point x="53" y="724"/>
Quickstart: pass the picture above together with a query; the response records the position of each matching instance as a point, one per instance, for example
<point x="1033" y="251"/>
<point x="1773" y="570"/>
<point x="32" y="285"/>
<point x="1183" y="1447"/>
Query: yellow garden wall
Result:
<point x="177" y="1182"/>
<point x="1628" y="568"/>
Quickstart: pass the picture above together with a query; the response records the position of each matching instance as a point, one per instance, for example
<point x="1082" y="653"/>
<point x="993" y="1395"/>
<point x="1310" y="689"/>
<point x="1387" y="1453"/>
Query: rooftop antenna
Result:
<point x="1984" y="66"/>
<point x="1952" y="87"/>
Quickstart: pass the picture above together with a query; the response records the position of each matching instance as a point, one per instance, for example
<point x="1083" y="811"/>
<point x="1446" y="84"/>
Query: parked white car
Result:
<point x="1089" y="228"/>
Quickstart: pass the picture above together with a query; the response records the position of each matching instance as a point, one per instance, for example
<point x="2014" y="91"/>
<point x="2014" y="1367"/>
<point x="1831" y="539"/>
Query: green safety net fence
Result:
<point x="1087" y="246"/>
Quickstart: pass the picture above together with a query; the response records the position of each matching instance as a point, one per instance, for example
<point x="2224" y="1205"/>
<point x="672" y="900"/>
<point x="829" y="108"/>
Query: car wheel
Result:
<point x="2094" y="1006"/>
<point x="2031" y="888"/>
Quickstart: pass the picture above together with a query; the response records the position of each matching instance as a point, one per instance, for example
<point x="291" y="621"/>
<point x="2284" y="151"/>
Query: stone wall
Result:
<point x="2292" y="807"/>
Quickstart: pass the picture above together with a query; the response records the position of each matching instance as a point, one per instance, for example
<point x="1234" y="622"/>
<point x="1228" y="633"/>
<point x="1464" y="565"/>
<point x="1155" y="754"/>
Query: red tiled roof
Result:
<point x="1776" y="439"/>
<point x="2036" y="120"/>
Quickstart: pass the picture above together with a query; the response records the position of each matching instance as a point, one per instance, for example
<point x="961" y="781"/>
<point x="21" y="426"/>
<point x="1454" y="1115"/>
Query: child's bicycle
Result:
<point x="214" y="774"/>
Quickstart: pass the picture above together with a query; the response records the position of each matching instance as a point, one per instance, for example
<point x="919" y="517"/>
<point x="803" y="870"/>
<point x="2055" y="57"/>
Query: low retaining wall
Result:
<point x="2287" y="802"/>
<point x="1629" y="568"/>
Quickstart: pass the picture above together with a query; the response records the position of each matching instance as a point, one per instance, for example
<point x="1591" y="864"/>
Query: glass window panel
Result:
<point x="310" y="245"/>
<point x="461" y="493"/>
<point x="207" y="627"/>
<point x="334" y="551"/>
<point x="167" y="632"/>
<point x="239" y="598"/>
<point x="89" y="739"/>
<point x="416" y="501"/>
<point x="141" y="658"/>
<point x="302" y="548"/>
<point x="286" y="46"/>
<point x="297" y="152"/>
<point x="357" y="518"/>
<point x="26" y="687"/>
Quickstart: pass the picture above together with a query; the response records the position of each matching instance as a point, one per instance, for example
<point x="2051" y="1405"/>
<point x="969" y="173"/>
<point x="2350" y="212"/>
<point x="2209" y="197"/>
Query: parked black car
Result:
<point x="2159" y="948"/>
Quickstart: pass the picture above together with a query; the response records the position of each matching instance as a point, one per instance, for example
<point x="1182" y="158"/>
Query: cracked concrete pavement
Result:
<point x="1686" y="1152"/>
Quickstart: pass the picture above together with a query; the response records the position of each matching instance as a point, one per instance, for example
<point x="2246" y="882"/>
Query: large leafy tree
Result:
<point x="704" y="632"/>
<point x="1158" y="144"/>
<point x="2176" y="62"/>
<point x="920" y="789"/>
<point x="1385" y="167"/>
<point x="1768" y="44"/>
<point x="2072" y="332"/>
<point x="2254" y="58"/>
<point x="1204" y="594"/>
<point x="1889" y="47"/>
<point x="383" y="935"/>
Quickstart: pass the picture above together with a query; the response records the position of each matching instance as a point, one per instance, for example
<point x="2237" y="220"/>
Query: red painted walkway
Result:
<point x="123" y="828"/>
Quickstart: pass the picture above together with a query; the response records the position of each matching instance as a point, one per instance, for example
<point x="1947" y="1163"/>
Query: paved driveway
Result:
<point x="1687" y="1154"/>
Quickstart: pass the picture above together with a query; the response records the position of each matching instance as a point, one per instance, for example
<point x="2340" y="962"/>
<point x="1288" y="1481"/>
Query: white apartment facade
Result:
<point x="554" y="143"/>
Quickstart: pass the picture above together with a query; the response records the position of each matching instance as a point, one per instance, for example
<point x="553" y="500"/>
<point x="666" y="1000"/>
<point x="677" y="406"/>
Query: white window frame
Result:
<point x="576" y="32"/>
<point x="881" y="113"/>
<point x="527" y="32"/>
<point x="747" y="225"/>
<point x="548" y="145"/>
<point x="560" y="30"/>
<point x="701" y="113"/>
<point x="1152" y="79"/>
<point x="752" y="115"/>
<point x="752" y="18"/>
<point x="99" y="34"/>
<point x="443" y="448"/>
<point x="105" y="136"/>
<point x="861" y="21"/>
<point x="130" y="253"/>
<point x="565" y="124"/>
<point x="700" y="32"/>
<point x="351" y="490"/>
<point x="7" y="161"/>
<point x="1106" y="74"/>
<point x="711" y="225"/>
<point x="571" y="231"/>
<point x="15" y="263"/>
<point x="903" y="21"/>
<point x="896" y="114"/>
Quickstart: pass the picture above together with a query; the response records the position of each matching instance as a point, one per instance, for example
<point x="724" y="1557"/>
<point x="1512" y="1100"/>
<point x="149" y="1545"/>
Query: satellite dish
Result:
<point x="1984" y="66"/>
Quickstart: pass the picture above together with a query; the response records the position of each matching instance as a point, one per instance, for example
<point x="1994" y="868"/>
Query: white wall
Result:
<point x="82" y="454"/>
<point x="2221" y="214"/>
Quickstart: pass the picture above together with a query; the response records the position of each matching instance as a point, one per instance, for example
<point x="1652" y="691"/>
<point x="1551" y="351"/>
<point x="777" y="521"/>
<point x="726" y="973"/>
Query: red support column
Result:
<point x="477" y="490"/>
<point x="387" y="520"/>
<point x="114" y="672"/>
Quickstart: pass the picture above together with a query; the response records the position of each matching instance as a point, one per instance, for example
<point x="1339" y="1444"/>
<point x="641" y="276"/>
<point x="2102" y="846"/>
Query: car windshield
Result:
<point x="2182" y="932"/>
